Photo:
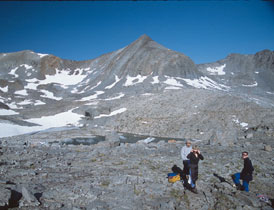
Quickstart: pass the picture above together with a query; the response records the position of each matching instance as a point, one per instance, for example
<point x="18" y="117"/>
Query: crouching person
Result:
<point x="194" y="156"/>
<point x="245" y="175"/>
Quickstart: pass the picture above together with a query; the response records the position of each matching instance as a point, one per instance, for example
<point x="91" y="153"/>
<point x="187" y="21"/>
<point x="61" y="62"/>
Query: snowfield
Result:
<point x="58" y="120"/>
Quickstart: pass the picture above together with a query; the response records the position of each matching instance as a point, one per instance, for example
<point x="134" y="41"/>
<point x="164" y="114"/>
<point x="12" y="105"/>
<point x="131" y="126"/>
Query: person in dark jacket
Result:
<point x="245" y="175"/>
<point x="194" y="156"/>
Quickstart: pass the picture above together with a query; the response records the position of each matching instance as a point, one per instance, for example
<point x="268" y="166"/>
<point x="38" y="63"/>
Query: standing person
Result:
<point x="184" y="152"/>
<point x="245" y="175"/>
<point x="194" y="156"/>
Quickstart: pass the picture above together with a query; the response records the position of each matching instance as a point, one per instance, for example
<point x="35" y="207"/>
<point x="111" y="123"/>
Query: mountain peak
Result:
<point x="145" y="37"/>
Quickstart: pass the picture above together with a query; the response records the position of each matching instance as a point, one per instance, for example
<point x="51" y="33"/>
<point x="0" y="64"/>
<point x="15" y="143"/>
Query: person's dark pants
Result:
<point x="236" y="179"/>
<point x="185" y="170"/>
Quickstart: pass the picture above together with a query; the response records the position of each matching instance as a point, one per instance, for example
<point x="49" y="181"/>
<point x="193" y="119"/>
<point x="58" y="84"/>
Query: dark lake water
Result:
<point x="124" y="138"/>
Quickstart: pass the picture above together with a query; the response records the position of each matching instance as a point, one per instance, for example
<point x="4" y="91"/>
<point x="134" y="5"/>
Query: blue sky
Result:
<point x="205" y="31"/>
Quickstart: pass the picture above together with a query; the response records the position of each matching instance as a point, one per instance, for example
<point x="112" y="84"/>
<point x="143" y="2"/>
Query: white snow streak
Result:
<point x="114" y="98"/>
<point x="113" y="84"/>
<point x="91" y="97"/>
<point x="42" y="55"/>
<point x="38" y="102"/>
<point x="173" y="88"/>
<point x="25" y="102"/>
<point x="147" y="94"/>
<point x="119" y="111"/>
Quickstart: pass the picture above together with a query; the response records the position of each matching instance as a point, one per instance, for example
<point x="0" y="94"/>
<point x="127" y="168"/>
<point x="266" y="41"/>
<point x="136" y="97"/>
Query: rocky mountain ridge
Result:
<point x="106" y="91"/>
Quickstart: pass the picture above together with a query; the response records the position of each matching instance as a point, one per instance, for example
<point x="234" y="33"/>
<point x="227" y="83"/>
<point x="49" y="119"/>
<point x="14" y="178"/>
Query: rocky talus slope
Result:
<point x="38" y="172"/>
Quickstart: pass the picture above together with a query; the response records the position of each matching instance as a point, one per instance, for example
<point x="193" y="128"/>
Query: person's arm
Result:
<point x="189" y="155"/>
<point x="249" y="166"/>
<point x="183" y="153"/>
<point x="200" y="156"/>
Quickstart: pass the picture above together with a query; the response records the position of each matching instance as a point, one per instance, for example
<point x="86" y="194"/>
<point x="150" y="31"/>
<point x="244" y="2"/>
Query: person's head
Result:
<point x="188" y="143"/>
<point x="195" y="148"/>
<point x="244" y="154"/>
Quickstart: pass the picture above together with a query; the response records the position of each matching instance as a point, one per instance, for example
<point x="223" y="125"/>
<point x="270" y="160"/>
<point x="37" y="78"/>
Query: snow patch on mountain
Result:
<point x="155" y="80"/>
<point x="113" y="84"/>
<point x="86" y="88"/>
<point x="58" y="120"/>
<point x="134" y="80"/>
<point x="42" y="55"/>
<point x="12" y="72"/>
<point x="217" y="70"/>
<point x="173" y="88"/>
<point x="38" y="102"/>
<point x="64" y="77"/>
<point x="5" y="89"/>
<point x="147" y="94"/>
<point x="26" y="66"/>
<point x="91" y="97"/>
<point x="31" y="85"/>
<point x="25" y="102"/>
<point x="119" y="111"/>
<point x="243" y="124"/>
<point x="13" y="105"/>
<point x="114" y="98"/>
<point x="21" y="92"/>
<point x="205" y="83"/>
<point x="50" y="95"/>
<point x="172" y="81"/>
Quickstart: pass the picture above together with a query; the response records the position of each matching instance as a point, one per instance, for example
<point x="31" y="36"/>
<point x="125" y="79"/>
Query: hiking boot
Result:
<point x="239" y="187"/>
<point x="194" y="190"/>
<point x="242" y="188"/>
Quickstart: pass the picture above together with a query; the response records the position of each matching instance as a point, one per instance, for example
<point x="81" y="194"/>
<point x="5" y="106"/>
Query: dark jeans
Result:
<point x="186" y="170"/>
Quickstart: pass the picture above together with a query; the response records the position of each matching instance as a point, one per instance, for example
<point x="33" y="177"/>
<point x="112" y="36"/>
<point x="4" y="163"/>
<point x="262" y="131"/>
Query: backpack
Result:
<point x="173" y="177"/>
